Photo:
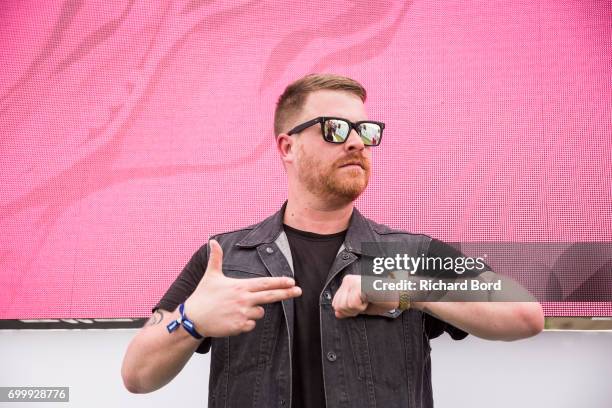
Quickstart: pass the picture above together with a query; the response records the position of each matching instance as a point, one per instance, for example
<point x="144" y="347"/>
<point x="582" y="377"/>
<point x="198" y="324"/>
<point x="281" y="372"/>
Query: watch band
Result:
<point x="404" y="301"/>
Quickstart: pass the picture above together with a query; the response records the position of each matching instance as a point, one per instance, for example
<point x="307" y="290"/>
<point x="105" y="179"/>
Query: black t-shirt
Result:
<point x="313" y="256"/>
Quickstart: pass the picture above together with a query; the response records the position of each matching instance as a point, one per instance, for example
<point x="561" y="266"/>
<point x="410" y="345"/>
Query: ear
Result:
<point x="286" y="146"/>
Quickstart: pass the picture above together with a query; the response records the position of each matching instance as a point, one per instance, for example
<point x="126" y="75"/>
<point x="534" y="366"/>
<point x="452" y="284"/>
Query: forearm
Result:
<point x="154" y="357"/>
<point x="489" y="320"/>
<point x="508" y="314"/>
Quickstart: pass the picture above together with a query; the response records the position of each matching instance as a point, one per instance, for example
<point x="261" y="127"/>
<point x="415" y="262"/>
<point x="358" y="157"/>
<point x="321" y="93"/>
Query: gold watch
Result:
<point x="404" y="301"/>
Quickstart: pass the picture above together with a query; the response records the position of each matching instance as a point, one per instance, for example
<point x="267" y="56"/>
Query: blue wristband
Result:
<point x="185" y="322"/>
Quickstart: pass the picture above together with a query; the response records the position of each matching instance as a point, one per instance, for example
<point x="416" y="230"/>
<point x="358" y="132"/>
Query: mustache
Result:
<point x="354" y="159"/>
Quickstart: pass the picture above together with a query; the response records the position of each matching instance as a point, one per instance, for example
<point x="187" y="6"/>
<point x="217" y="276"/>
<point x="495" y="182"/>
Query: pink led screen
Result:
<point x="132" y="131"/>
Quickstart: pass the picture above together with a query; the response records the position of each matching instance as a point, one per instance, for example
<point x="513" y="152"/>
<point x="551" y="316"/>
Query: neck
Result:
<point x="307" y="212"/>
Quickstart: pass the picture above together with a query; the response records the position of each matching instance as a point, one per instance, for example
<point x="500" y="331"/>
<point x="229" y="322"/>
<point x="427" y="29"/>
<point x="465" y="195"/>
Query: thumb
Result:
<point x="215" y="259"/>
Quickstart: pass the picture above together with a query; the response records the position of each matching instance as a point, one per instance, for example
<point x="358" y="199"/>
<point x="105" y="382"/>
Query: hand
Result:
<point x="222" y="306"/>
<point x="349" y="300"/>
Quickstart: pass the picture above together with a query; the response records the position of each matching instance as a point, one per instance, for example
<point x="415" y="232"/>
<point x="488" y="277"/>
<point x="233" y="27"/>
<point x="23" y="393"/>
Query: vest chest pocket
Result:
<point x="244" y="271"/>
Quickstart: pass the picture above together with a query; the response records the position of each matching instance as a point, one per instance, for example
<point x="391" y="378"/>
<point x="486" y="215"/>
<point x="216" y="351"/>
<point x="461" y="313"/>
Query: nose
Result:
<point x="354" y="142"/>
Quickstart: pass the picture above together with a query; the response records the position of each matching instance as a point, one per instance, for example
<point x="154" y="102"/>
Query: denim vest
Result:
<point x="368" y="361"/>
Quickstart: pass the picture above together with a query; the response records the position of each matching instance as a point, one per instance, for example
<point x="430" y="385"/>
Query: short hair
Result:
<point x="292" y="100"/>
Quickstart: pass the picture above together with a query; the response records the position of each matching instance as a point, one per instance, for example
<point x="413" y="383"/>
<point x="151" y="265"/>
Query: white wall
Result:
<point x="552" y="370"/>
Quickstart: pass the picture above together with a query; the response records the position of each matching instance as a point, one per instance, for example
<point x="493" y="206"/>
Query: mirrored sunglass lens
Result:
<point x="370" y="133"/>
<point x="336" y="131"/>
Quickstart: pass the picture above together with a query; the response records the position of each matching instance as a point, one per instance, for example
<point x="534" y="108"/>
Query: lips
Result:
<point x="353" y="164"/>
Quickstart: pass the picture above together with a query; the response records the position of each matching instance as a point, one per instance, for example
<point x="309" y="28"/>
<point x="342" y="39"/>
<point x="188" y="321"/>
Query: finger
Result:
<point x="338" y="308"/>
<point x="248" y="325"/>
<point x="340" y="299"/>
<point x="254" y="313"/>
<point x="355" y="302"/>
<point x="340" y="315"/>
<point x="342" y="312"/>
<point x="339" y="302"/>
<point x="336" y="298"/>
<point x="352" y="304"/>
<point x="215" y="258"/>
<point x="275" y="295"/>
<point x="260" y="284"/>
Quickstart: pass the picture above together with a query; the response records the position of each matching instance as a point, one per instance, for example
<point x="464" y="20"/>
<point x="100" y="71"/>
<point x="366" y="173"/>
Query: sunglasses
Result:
<point x="337" y="130"/>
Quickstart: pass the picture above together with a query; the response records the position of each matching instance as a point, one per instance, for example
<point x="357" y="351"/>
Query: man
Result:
<point x="281" y="302"/>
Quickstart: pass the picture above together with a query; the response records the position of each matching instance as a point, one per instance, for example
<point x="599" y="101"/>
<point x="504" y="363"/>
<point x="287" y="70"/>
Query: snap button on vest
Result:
<point x="331" y="356"/>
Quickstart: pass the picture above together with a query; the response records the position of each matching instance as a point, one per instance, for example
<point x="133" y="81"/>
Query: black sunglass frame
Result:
<point x="352" y="125"/>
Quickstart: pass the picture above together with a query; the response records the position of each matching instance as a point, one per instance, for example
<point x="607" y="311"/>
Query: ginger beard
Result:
<point x="331" y="180"/>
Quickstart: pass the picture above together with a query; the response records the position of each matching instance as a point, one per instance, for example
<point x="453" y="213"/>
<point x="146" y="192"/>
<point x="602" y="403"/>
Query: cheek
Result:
<point x="308" y="159"/>
<point x="317" y="156"/>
